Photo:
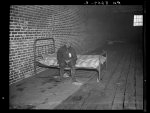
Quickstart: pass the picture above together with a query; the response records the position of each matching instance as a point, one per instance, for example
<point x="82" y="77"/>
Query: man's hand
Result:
<point x="67" y="61"/>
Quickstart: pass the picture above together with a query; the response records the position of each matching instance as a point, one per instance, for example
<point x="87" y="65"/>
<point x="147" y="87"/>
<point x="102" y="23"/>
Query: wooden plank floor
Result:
<point x="121" y="87"/>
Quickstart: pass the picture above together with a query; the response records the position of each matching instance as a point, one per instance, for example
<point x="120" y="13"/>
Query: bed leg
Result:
<point x="34" y="68"/>
<point x="106" y="61"/>
<point x="35" y="57"/>
<point x="99" y="74"/>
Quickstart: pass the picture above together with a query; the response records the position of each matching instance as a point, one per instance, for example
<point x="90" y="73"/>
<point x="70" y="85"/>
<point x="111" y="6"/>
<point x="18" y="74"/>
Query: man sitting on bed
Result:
<point x="67" y="57"/>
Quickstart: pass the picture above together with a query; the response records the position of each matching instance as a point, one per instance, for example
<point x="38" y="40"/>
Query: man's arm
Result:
<point x="60" y="53"/>
<point x="74" y="55"/>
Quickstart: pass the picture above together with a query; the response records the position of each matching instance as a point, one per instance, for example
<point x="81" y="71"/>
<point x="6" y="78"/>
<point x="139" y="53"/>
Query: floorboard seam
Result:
<point x="126" y="82"/>
<point x="117" y="86"/>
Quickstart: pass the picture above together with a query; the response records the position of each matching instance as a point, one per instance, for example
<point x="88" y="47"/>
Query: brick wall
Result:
<point x="28" y="23"/>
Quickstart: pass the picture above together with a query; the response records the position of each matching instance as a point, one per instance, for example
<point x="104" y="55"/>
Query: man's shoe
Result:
<point x="66" y="75"/>
<point x="58" y="78"/>
<point x="76" y="82"/>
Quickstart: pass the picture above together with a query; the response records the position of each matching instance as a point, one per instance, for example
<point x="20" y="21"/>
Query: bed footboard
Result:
<point x="102" y="64"/>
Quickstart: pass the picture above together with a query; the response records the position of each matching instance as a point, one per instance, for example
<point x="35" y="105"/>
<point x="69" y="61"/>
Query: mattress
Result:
<point x="85" y="61"/>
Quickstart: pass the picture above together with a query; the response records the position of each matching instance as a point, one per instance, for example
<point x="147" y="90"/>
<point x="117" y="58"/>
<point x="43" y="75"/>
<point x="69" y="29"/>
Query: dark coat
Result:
<point x="63" y="55"/>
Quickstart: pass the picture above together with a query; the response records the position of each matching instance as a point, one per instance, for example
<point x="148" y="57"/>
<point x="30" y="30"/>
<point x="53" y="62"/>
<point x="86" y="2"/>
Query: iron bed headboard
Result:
<point x="35" y="42"/>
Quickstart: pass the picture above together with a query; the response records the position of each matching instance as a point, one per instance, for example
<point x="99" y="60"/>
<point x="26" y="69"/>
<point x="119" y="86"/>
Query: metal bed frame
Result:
<point x="98" y="69"/>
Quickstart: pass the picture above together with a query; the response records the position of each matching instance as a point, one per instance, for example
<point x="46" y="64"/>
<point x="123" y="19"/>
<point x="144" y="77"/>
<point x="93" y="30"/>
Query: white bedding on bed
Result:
<point x="91" y="61"/>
